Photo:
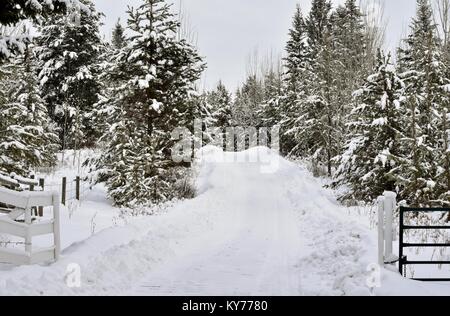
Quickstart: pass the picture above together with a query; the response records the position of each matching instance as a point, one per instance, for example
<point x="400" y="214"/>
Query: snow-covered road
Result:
<point x="248" y="232"/>
<point x="277" y="233"/>
<point x="256" y="249"/>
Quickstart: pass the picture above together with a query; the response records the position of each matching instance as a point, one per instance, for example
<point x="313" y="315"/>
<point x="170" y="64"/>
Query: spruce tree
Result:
<point x="371" y="159"/>
<point x="298" y="54"/>
<point x="69" y="54"/>
<point x="350" y="52"/>
<point x="221" y="102"/>
<point x="118" y="36"/>
<point x="424" y="74"/>
<point x="13" y="12"/>
<point x="27" y="138"/>
<point x="4" y="74"/>
<point x="159" y="76"/>
<point x="248" y="101"/>
<point x="317" y="136"/>
<point x="110" y="79"/>
<point x="202" y="110"/>
<point x="298" y="64"/>
<point x="317" y="24"/>
<point x="271" y="112"/>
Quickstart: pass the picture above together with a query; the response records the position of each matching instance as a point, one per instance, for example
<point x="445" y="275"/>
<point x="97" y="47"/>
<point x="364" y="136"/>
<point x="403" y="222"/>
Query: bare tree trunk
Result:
<point x="376" y="25"/>
<point x="442" y="19"/>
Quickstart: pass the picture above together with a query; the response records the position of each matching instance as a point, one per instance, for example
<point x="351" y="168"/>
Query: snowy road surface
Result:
<point x="247" y="233"/>
<point x="255" y="252"/>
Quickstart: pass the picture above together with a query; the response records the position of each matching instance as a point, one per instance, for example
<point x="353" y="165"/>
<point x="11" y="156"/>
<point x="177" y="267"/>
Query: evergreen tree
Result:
<point x="221" y="102"/>
<point x="298" y="67"/>
<point x="369" y="164"/>
<point x="4" y="74"/>
<point x="110" y="79"/>
<point x="318" y="23"/>
<point x="332" y="67"/>
<point x="201" y="109"/>
<point x="318" y="134"/>
<point x="12" y="12"/>
<point x="160" y="73"/>
<point x="271" y="109"/>
<point x="118" y="36"/>
<point x="425" y="76"/>
<point x="248" y="101"/>
<point x="69" y="54"/>
<point x="352" y="56"/>
<point x="27" y="138"/>
<point x="298" y="54"/>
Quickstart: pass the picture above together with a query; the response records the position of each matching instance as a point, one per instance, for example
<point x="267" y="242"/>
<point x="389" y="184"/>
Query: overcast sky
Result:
<point x="230" y="30"/>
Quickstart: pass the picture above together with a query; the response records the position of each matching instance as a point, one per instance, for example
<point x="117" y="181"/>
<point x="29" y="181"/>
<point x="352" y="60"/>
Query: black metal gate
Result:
<point x="403" y="261"/>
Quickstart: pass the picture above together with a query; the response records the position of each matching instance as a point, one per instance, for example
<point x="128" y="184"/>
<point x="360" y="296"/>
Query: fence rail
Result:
<point x="22" y="204"/>
<point x="69" y="189"/>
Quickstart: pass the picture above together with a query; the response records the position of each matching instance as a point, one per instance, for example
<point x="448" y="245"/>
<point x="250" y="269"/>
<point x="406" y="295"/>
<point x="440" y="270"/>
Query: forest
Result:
<point x="370" y="120"/>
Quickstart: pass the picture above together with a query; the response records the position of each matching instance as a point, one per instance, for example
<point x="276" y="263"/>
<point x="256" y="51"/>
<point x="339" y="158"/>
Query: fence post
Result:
<point x="77" y="188"/>
<point x="381" y="231"/>
<point x="28" y="238"/>
<point x="56" y="225"/>
<point x="32" y="185"/>
<point x="389" y="206"/>
<point x="34" y="208"/>
<point x="400" y="242"/>
<point x="63" y="191"/>
<point x="41" y="208"/>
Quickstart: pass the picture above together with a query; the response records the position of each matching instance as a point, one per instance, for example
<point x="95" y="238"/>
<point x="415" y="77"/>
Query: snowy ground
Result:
<point x="247" y="233"/>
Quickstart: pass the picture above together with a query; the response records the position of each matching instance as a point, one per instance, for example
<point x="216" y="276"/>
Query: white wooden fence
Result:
<point x="386" y="206"/>
<point x="21" y="204"/>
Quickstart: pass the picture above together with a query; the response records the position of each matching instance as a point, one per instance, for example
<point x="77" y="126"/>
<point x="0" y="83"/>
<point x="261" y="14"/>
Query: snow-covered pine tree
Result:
<point x="6" y="79"/>
<point x="4" y="73"/>
<point x="160" y="71"/>
<point x="443" y="176"/>
<point x="110" y="80"/>
<point x="27" y="138"/>
<point x="369" y="164"/>
<point x="317" y="23"/>
<point x="425" y="169"/>
<point x="316" y="126"/>
<point x="203" y="110"/>
<point x="13" y="12"/>
<point x="118" y="36"/>
<point x="69" y="54"/>
<point x="221" y="103"/>
<point x="271" y="109"/>
<point x="334" y="54"/>
<point x="248" y="101"/>
<point x="298" y="54"/>
<point x="349" y="38"/>
<point x="220" y="100"/>
<point x="298" y="67"/>
<point x="350" y="52"/>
